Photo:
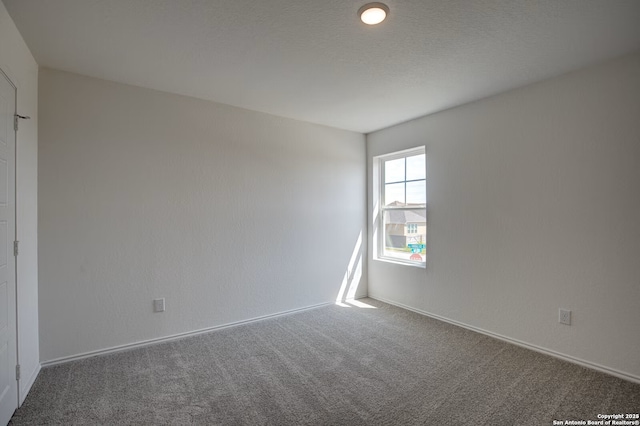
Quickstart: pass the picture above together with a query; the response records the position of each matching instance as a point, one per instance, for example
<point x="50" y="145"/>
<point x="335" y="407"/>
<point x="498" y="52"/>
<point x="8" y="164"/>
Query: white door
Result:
<point x="8" y="355"/>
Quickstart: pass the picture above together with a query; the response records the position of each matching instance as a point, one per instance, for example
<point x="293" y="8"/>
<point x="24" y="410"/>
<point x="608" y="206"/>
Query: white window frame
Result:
<point x="379" y="202"/>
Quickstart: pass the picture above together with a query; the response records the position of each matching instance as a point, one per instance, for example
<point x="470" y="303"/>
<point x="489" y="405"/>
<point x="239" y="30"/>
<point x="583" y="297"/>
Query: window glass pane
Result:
<point x="401" y="244"/>
<point x="416" y="192"/>
<point x="416" y="167"/>
<point x="394" y="170"/>
<point x="403" y="233"/>
<point x="394" y="194"/>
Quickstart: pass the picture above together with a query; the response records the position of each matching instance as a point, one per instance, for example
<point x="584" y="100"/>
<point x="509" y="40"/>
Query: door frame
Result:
<point x="3" y="74"/>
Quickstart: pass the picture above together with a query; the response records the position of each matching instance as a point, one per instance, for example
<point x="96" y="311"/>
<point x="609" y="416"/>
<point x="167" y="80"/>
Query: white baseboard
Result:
<point x="588" y="364"/>
<point x="26" y="386"/>
<point x="178" y="336"/>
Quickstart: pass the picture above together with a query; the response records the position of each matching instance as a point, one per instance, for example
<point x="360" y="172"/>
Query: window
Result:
<point x="402" y="197"/>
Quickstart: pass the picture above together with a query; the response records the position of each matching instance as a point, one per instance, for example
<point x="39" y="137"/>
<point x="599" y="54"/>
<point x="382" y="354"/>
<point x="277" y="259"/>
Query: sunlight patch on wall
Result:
<point x="351" y="279"/>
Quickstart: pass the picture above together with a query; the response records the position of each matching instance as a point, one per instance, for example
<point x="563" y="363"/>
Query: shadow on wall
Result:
<point x="352" y="278"/>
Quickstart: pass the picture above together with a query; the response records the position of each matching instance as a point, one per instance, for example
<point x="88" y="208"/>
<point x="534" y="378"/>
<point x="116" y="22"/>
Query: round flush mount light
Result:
<point x="373" y="13"/>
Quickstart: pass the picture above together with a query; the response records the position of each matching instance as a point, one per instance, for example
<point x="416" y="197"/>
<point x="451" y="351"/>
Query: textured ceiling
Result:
<point x="313" y="60"/>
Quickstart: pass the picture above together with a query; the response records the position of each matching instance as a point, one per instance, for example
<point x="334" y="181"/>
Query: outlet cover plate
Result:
<point x="564" y="316"/>
<point x="158" y="305"/>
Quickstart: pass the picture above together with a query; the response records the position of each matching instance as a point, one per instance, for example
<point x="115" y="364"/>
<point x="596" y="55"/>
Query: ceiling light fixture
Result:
<point x="373" y="13"/>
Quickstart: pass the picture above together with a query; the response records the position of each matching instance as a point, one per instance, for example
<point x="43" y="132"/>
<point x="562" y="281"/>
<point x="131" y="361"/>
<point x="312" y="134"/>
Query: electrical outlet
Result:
<point x="158" y="305"/>
<point x="564" y="317"/>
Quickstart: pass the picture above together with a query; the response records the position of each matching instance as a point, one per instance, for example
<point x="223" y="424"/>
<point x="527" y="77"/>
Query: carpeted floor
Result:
<point x="328" y="366"/>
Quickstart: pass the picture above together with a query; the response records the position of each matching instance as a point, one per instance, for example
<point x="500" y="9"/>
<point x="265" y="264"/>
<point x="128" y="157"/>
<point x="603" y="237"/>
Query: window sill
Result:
<point x="422" y="265"/>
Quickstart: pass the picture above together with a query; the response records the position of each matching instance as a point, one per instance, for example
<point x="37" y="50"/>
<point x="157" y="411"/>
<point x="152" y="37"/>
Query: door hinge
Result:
<point x="18" y="372"/>
<point x="15" y="247"/>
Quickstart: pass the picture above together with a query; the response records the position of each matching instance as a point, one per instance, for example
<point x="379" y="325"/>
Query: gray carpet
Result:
<point x="327" y="366"/>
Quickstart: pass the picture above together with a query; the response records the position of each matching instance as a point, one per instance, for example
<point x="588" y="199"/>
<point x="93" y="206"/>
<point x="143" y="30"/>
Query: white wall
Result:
<point x="228" y="214"/>
<point x="533" y="205"/>
<point x="16" y="60"/>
